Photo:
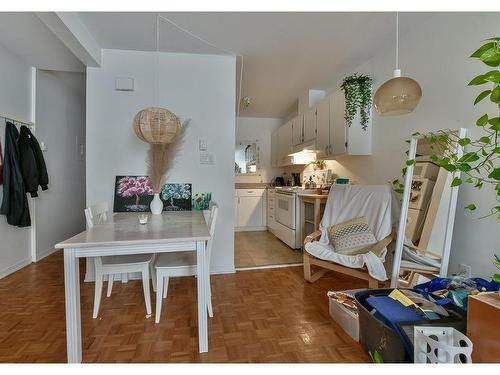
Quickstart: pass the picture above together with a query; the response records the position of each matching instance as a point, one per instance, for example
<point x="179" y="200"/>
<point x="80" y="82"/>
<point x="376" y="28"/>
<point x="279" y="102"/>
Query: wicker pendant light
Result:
<point x="156" y="125"/>
<point x="399" y="95"/>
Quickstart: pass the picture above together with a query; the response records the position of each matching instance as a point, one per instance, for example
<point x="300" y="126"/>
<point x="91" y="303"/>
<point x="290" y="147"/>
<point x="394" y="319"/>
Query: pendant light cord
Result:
<point x="397" y="40"/>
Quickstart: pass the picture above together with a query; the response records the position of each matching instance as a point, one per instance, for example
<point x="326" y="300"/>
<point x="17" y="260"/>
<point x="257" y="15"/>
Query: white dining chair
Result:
<point x="120" y="264"/>
<point x="184" y="264"/>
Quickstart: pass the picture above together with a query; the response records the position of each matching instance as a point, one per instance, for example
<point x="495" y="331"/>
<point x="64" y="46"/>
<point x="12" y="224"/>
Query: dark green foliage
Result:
<point x="358" y="96"/>
<point x="480" y="163"/>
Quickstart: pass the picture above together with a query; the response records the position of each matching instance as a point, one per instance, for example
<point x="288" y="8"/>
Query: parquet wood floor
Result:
<point x="267" y="315"/>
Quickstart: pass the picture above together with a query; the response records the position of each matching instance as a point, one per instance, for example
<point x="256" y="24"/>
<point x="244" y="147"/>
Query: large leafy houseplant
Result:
<point x="479" y="164"/>
<point x="358" y="97"/>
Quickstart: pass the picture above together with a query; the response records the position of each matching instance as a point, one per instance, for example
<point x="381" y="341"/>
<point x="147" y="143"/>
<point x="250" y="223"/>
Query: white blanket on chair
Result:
<point x="380" y="206"/>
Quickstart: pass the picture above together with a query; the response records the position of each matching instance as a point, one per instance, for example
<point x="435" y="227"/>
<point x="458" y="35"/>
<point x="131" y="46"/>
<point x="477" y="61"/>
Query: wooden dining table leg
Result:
<point x="72" y="299"/>
<point x="202" y="296"/>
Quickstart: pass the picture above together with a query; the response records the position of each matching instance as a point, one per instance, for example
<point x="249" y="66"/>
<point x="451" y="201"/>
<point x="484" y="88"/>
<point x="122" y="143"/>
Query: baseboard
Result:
<point x="44" y="254"/>
<point x="15" y="267"/>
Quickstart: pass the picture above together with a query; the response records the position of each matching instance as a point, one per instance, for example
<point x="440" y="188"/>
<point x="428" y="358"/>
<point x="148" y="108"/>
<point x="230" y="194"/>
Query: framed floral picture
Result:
<point x="132" y="194"/>
<point x="201" y="201"/>
<point x="176" y="197"/>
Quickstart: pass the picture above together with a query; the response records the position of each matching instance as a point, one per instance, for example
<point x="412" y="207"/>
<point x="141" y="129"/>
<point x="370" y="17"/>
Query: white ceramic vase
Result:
<point x="156" y="205"/>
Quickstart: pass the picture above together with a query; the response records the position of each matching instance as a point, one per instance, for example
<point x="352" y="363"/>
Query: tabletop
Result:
<point x="124" y="229"/>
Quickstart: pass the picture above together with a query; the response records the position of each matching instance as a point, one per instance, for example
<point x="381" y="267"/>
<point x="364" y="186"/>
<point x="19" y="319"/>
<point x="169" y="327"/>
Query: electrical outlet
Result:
<point x="465" y="270"/>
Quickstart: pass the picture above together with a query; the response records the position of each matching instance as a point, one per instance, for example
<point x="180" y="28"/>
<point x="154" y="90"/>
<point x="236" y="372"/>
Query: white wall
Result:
<point x="15" y="100"/>
<point x="260" y="129"/>
<point x="436" y="55"/>
<point x="60" y="123"/>
<point x="196" y="87"/>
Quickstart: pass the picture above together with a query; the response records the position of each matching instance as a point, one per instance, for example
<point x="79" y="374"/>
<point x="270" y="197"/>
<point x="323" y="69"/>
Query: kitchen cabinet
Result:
<point x="323" y="128"/>
<point x="309" y="125"/>
<point x="250" y="209"/>
<point x="304" y="130"/>
<point x="334" y="137"/>
<point x="338" y="129"/>
<point x="274" y="149"/>
<point x="297" y="130"/>
<point x="271" y="220"/>
<point x="284" y="144"/>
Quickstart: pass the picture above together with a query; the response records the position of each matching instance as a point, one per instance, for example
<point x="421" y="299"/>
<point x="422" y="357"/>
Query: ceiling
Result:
<point x="26" y="36"/>
<point x="283" y="53"/>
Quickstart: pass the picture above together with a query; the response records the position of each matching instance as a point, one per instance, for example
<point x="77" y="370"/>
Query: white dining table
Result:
<point x="122" y="235"/>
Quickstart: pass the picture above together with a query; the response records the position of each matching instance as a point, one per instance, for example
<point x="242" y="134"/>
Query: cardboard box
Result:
<point x="345" y="317"/>
<point x="483" y="319"/>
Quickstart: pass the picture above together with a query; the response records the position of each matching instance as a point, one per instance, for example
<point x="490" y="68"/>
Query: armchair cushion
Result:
<point x="351" y="237"/>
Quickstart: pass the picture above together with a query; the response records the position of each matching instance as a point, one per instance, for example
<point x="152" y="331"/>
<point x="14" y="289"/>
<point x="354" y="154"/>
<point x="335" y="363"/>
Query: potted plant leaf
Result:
<point x="318" y="164"/>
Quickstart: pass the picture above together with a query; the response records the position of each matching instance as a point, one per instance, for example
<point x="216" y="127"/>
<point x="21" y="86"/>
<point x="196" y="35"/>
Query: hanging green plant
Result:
<point x="358" y="97"/>
<point x="480" y="163"/>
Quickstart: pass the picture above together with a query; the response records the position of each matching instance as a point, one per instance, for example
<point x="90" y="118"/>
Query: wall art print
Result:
<point x="176" y="197"/>
<point x="201" y="201"/>
<point x="132" y="194"/>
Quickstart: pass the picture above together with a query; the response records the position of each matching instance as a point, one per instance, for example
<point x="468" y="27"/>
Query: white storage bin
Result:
<point x="345" y="317"/>
<point x="441" y="345"/>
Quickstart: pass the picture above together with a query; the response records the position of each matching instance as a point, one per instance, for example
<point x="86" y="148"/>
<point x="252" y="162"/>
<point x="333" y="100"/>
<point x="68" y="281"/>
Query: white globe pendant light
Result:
<point x="399" y="95"/>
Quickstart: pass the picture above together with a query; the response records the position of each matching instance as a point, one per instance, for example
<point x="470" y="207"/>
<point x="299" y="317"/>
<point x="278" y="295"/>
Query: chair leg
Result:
<point x="152" y="272"/>
<point x="97" y="292"/>
<point x="110" y="285"/>
<point x="145" y="286"/>
<point x="124" y="278"/>
<point x="165" y="286"/>
<point x="307" y="267"/>
<point x="159" y="296"/>
<point x="209" y="299"/>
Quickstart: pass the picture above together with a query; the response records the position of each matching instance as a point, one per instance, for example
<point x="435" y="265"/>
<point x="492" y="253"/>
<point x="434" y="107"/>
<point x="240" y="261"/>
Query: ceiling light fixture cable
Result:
<point x="229" y="52"/>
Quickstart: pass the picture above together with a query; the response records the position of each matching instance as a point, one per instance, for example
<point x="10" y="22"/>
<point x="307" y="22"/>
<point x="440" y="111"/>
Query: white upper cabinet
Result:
<point x="350" y="140"/>
<point x="338" y="131"/>
<point x="323" y="128"/>
<point x="309" y="125"/>
<point x="274" y="149"/>
<point x="297" y="130"/>
<point x="284" y="144"/>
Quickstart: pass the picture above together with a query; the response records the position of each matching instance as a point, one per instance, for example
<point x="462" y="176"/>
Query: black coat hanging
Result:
<point x="14" y="202"/>
<point x="33" y="167"/>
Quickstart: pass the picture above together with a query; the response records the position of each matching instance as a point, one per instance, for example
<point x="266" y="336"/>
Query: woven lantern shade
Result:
<point x="156" y="125"/>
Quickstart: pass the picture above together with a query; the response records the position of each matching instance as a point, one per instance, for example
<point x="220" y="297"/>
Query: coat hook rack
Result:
<point x="16" y="121"/>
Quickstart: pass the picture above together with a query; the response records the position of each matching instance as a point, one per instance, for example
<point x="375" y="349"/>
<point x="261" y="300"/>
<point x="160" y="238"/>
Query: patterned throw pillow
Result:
<point x="351" y="237"/>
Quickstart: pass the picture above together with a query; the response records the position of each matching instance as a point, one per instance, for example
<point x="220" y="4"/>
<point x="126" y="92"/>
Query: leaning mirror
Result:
<point x="246" y="157"/>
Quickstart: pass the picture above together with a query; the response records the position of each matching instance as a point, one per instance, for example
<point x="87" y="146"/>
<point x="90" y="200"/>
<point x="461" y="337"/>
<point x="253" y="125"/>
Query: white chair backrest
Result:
<point x="96" y="214"/>
<point x="211" y="227"/>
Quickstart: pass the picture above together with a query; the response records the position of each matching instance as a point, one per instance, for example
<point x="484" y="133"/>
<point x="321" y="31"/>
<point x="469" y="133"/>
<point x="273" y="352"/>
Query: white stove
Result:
<point x="287" y="214"/>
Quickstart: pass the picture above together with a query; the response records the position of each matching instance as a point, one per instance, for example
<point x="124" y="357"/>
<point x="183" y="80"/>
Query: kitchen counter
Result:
<point x="251" y="185"/>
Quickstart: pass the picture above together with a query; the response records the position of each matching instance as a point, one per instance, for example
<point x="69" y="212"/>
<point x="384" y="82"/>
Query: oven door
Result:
<point x="285" y="209"/>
